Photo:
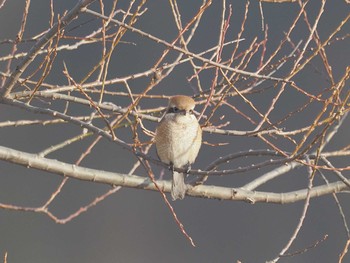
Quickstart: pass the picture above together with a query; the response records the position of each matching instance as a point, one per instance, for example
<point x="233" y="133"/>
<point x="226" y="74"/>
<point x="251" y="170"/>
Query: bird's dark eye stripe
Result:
<point x="173" y="109"/>
<point x="177" y="110"/>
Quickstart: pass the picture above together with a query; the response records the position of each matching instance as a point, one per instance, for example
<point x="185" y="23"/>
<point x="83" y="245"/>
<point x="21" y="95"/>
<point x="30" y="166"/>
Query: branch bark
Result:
<point x="133" y="181"/>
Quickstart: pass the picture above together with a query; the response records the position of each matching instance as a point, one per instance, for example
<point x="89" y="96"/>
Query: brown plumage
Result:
<point x="178" y="139"/>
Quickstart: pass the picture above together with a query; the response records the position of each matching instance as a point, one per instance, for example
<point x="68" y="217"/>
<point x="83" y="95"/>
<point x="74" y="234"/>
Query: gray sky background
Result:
<point x="135" y="225"/>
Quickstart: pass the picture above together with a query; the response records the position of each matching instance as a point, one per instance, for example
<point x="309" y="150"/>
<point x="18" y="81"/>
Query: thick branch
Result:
<point x="133" y="181"/>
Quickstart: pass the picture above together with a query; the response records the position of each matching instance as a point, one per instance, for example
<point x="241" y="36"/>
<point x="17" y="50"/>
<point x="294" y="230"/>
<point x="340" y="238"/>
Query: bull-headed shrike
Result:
<point x="178" y="140"/>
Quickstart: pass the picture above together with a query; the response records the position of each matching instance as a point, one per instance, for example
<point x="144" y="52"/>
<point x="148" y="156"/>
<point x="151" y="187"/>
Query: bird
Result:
<point x="178" y="139"/>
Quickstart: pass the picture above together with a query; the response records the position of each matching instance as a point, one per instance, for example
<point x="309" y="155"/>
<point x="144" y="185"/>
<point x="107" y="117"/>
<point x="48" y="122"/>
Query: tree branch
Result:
<point x="71" y="15"/>
<point x="132" y="181"/>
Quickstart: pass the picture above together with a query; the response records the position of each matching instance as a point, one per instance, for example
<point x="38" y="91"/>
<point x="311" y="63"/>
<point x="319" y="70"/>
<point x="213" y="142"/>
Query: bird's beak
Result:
<point x="183" y="112"/>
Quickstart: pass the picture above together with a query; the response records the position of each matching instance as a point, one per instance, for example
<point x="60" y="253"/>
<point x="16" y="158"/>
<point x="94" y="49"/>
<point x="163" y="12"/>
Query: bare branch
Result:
<point x="133" y="181"/>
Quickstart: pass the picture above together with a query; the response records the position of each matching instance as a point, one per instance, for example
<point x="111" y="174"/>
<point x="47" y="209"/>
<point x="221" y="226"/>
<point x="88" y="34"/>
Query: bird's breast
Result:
<point x="178" y="140"/>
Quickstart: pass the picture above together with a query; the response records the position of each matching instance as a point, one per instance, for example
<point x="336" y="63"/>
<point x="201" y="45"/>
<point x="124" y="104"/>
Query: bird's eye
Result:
<point x="173" y="110"/>
<point x="191" y="111"/>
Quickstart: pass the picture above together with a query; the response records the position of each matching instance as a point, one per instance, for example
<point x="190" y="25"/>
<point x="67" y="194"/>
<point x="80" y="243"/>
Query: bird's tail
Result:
<point x="178" y="187"/>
